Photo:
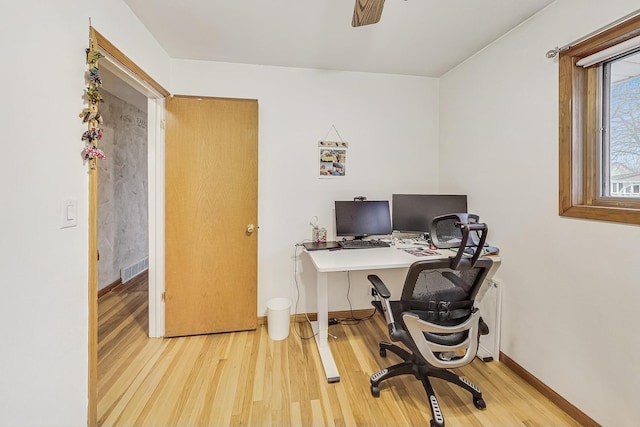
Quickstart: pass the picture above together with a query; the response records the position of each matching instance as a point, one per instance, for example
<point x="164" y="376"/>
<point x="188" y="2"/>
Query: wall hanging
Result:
<point x="91" y="115"/>
<point x="333" y="156"/>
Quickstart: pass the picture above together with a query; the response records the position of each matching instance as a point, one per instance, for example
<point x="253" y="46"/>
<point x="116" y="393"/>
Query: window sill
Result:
<point x="603" y="213"/>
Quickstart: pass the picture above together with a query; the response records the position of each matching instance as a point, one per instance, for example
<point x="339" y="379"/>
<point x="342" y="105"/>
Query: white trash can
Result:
<point x="278" y="318"/>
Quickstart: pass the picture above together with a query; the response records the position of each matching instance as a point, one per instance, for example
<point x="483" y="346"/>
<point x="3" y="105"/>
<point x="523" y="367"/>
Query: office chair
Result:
<point x="436" y="318"/>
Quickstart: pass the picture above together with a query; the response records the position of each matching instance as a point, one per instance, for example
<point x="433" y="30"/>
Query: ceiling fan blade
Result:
<point x="367" y="12"/>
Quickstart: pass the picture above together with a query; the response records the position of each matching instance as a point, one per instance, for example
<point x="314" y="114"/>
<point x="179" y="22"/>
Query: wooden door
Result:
<point x="211" y="205"/>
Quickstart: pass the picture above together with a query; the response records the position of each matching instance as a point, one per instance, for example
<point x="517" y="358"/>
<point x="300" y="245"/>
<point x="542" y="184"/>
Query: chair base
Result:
<point x="415" y="366"/>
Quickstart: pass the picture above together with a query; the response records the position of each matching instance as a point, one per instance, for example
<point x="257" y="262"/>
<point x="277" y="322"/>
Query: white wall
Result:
<point x="389" y="121"/>
<point x="43" y="269"/>
<point x="570" y="286"/>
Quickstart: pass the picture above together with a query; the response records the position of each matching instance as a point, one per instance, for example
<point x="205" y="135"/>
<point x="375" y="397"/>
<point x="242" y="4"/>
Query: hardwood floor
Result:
<point x="245" y="378"/>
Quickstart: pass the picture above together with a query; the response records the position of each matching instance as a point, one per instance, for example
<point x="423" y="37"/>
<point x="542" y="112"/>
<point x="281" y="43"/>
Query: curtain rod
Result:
<point x="554" y="52"/>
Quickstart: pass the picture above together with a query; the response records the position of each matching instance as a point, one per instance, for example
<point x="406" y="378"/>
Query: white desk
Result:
<point x="327" y="261"/>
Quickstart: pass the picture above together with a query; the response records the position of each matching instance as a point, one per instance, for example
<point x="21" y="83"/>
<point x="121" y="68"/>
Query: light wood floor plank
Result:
<point x="247" y="379"/>
<point x="200" y="379"/>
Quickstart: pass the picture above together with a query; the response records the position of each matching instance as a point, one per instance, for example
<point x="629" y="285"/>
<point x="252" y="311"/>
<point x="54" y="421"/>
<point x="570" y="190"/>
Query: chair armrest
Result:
<point x="379" y="285"/>
<point x="384" y="293"/>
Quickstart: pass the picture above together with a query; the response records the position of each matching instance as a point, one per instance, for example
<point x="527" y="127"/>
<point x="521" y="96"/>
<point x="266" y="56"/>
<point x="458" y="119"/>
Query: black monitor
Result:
<point x="363" y="218"/>
<point x="413" y="213"/>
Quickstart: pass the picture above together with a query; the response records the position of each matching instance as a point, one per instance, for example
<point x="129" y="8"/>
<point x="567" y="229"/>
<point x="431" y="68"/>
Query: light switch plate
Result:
<point x="69" y="213"/>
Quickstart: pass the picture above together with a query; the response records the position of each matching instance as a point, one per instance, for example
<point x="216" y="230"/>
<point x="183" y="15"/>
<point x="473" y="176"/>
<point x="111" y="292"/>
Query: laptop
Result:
<point x="318" y="246"/>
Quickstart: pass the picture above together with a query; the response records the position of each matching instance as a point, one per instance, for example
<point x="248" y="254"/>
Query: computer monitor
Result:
<point x="363" y="218"/>
<point x="413" y="213"/>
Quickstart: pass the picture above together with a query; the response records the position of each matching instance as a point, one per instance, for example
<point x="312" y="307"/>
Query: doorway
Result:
<point x="128" y="75"/>
<point x="119" y="65"/>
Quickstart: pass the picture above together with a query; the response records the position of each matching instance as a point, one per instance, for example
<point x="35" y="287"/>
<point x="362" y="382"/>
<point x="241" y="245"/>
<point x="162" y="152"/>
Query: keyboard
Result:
<point x="363" y="244"/>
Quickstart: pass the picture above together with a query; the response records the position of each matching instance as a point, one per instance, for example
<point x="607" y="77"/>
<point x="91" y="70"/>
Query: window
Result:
<point x="600" y="126"/>
<point x="621" y="125"/>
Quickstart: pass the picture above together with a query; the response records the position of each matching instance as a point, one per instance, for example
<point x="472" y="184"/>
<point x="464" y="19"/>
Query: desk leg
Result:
<point x="321" y="330"/>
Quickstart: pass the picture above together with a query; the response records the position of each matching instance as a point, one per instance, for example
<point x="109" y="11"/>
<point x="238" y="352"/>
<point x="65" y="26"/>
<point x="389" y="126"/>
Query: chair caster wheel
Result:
<point x="375" y="391"/>
<point x="383" y="352"/>
<point x="479" y="403"/>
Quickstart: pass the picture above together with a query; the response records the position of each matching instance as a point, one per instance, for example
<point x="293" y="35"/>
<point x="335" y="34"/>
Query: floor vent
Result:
<point x="134" y="269"/>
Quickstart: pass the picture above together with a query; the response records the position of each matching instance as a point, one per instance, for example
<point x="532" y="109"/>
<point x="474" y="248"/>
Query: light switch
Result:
<point x="69" y="213"/>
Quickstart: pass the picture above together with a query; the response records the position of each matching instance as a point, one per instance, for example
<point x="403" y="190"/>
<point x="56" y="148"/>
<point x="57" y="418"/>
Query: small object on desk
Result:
<point x="490" y="250"/>
<point x="421" y="251"/>
<point x="319" y="234"/>
<point x="486" y="250"/>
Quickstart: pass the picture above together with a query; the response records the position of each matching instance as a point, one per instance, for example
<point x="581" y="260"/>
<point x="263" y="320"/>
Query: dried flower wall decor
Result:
<point x="91" y="115"/>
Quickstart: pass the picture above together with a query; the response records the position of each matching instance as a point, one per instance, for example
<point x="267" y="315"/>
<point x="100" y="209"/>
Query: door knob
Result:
<point x="251" y="228"/>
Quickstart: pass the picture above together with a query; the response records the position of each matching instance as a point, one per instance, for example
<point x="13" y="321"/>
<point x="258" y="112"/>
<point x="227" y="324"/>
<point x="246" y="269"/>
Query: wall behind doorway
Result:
<point x="122" y="189"/>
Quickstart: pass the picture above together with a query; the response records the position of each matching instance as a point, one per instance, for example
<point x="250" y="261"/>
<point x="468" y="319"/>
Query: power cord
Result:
<point x="295" y="311"/>
<point x="353" y="320"/>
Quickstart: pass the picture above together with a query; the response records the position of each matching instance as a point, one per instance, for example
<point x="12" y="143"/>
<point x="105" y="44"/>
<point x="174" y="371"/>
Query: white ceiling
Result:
<point x="414" y="37"/>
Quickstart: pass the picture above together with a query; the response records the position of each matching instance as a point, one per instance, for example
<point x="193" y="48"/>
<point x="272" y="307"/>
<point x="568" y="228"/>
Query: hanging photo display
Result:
<point x="333" y="158"/>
